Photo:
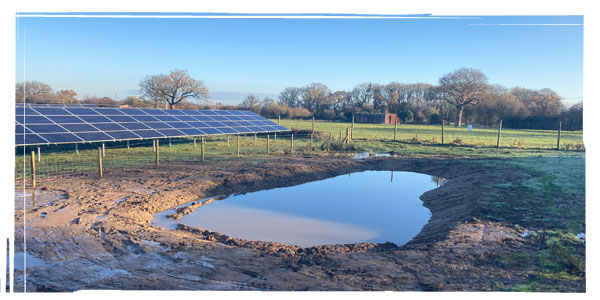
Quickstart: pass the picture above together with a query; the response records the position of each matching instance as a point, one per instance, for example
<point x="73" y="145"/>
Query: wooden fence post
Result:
<point x="194" y="143"/>
<point x="268" y="141"/>
<point x="238" y="145"/>
<point x="395" y="129"/>
<point x="340" y="136"/>
<point x="33" y="180"/>
<point x="100" y="161"/>
<point x="39" y="156"/>
<point x="202" y="148"/>
<point x="311" y="141"/>
<point x="228" y="141"/>
<point x="352" y="128"/>
<point x="313" y="124"/>
<point x="443" y="131"/>
<point x="292" y="144"/>
<point x="499" y="134"/>
<point x="558" y="139"/>
<point x="157" y="158"/>
<point x="279" y="120"/>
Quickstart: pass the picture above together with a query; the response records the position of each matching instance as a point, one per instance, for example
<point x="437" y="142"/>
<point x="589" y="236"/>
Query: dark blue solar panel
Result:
<point x="158" y="125"/>
<point x="79" y="127"/>
<point x="185" y="118"/>
<point x="46" y="128"/>
<point x="94" y="136"/>
<point x="198" y="124"/>
<point x="166" y="118"/>
<point x="178" y="124"/>
<point x="230" y="123"/>
<point x="145" y="118"/>
<point x="134" y="126"/>
<point x="60" y="137"/>
<point x="191" y="131"/>
<point x="236" y="118"/>
<point x="211" y="131"/>
<point x="109" y="111"/>
<point x="220" y="118"/>
<point x="133" y="112"/>
<point x="149" y="133"/>
<point x="65" y="119"/>
<point x="154" y="111"/>
<point x="243" y="129"/>
<point x="227" y="130"/>
<point x="122" y="135"/>
<point x="47" y="111"/>
<point x="108" y="126"/>
<point x="204" y="118"/>
<point x="19" y="111"/>
<point x="35" y="120"/>
<point x="122" y="119"/>
<point x="256" y="129"/>
<point x="81" y="111"/>
<point x="209" y="113"/>
<point x="95" y="119"/>
<point x="174" y="112"/>
<point x="21" y="129"/>
<point x="29" y="139"/>
<point x="171" y="132"/>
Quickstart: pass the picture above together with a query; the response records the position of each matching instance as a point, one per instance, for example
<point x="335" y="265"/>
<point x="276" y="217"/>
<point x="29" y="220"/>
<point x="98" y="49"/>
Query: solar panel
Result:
<point x="54" y="105"/>
<point x="64" y="123"/>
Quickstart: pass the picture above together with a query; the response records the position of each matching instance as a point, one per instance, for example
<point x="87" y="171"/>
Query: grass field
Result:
<point x="510" y="138"/>
<point x="412" y="140"/>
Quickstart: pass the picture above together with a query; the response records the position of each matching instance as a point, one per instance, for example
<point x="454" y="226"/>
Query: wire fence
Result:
<point x="77" y="159"/>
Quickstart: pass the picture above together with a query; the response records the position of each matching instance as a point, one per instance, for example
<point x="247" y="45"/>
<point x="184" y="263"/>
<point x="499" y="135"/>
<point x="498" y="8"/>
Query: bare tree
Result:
<point x="290" y="97"/>
<point x="314" y="95"/>
<point x="30" y="89"/>
<point x="251" y="103"/>
<point x="172" y="88"/>
<point x="463" y="87"/>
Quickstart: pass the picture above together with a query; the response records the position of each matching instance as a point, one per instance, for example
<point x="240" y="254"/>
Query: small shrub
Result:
<point x="415" y="140"/>
<point x="458" y="141"/>
<point x="521" y="144"/>
<point x="434" y="140"/>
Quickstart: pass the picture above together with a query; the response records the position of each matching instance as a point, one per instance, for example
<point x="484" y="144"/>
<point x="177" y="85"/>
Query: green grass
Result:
<point x="544" y="139"/>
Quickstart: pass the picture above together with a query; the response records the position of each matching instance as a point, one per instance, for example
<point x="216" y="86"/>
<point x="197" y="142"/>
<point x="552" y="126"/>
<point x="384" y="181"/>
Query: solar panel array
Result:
<point x="54" y="105"/>
<point x="60" y="125"/>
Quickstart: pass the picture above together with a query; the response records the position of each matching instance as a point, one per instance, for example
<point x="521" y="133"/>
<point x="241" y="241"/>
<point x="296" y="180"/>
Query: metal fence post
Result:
<point x="499" y="134"/>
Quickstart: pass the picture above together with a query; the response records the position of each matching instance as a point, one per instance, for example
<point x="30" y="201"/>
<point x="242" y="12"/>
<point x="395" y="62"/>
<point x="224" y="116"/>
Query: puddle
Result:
<point x="364" y="155"/>
<point x="370" y="206"/>
<point x="42" y="198"/>
<point x="28" y="260"/>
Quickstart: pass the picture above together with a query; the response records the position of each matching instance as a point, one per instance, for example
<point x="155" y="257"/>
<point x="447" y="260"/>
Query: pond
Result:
<point x="369" y="206"/>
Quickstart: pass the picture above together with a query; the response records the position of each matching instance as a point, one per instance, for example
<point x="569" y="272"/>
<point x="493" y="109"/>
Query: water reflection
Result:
<point x="439" y="181"/>
<point x="371" y="206"/>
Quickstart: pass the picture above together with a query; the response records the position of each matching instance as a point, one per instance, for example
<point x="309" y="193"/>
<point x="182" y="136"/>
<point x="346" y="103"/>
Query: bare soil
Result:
<point x="100" y="237"/>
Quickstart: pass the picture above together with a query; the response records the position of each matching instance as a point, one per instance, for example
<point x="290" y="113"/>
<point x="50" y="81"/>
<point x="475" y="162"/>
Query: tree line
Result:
<point x="462" y="96"/>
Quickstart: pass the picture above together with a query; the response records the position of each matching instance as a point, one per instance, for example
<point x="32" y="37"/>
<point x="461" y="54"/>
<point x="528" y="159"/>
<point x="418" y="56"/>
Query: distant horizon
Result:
<point x="236" y="57"/>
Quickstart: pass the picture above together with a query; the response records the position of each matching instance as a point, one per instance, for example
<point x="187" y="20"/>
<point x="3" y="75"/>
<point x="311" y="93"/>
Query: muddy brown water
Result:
<point x="369" y="206"/>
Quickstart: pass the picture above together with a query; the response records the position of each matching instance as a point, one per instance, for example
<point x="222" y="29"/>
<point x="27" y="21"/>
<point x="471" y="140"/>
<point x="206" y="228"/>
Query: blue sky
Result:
<point x="234" y="57"/>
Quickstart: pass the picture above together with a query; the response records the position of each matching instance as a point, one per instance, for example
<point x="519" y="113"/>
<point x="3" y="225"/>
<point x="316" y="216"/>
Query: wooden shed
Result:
<point x="381" y="118"/>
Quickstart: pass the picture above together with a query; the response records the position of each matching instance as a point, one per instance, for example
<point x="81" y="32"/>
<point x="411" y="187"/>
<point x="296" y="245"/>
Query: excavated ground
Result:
<point x="99" y="236"/>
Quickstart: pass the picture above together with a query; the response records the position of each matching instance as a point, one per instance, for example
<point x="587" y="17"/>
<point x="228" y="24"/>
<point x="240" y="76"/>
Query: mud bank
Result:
<point x="100" y="236"/>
